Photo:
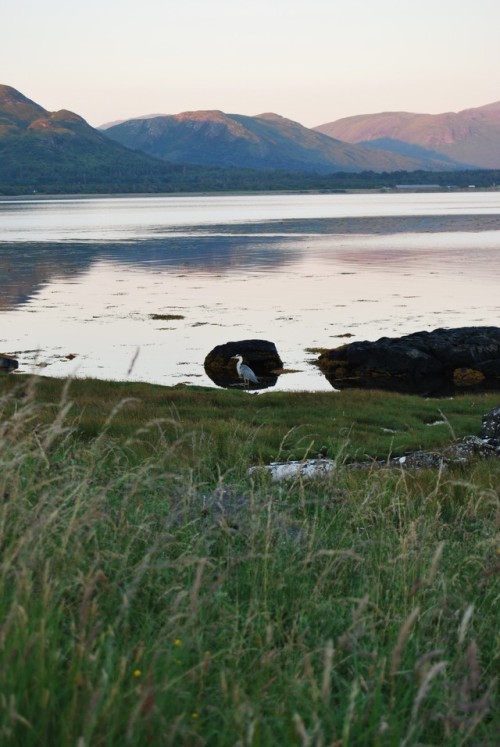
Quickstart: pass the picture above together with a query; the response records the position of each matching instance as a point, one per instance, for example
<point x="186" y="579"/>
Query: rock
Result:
<point x="8" y="363"/>
<point x="430" y="363"/>
<point x="460" y="452"/>
<point x="261" y="355"/>
<point x="490" y="426"/>
<point x="308" y="468"/>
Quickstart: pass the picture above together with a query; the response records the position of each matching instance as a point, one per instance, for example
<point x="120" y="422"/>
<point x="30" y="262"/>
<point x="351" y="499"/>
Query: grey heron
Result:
<point x="244" y="371"/>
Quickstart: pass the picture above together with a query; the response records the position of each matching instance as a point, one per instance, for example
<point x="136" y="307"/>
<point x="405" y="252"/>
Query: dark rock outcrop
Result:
<point x="490" y="426"/>
<point x="429" y="363"/>
<point x="7" y="363"/>
<point x="461" y="452"/>
<point x="261" y="355"/>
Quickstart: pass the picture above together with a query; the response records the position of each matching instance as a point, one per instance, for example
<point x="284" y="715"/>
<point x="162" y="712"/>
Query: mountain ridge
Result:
<point x="59" y="152"/>
<point x="470" y="136"/>
<point x="265" y="141"/>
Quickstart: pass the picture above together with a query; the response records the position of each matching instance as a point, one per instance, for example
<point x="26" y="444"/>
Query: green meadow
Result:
<point x="152" y="593"/>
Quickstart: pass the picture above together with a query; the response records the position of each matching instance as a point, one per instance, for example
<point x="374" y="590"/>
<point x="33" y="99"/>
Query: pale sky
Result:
<point x="313" y="61"/>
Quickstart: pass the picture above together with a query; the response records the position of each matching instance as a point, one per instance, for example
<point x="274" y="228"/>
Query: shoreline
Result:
<point x="232" y="193"/>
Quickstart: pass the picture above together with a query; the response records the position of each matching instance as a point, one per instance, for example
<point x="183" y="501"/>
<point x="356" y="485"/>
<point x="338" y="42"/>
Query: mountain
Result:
<point x="471" y="136"/>
<point x="107" y="125"/>
<point x="266" y="141"/>
<point x="43" y="151"/>
<point x="58" y="152"/>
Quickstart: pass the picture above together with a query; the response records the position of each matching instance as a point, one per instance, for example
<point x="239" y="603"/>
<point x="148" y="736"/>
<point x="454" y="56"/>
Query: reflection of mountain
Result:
<point x="204" y="253"/>
<point x="26" y="268"/>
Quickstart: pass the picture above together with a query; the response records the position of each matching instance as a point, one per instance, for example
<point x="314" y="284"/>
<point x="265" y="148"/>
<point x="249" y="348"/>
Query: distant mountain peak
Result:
<point x="486" y="109"/>
<point x="107" y="125"/>
<point x="9" y="95"/>
<point x="280" y="120"/>
<point x="266" y="141"/>
<point x="271" y="116"/>
<point x="202" y="114"/>
<point x="42" y="151"/>
<point x="470" y="137"/>
<point x="16" y="108"/>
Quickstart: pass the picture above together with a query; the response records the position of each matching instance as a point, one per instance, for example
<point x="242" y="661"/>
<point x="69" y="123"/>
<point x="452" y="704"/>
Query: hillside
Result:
<point x="58" y="152"/>
<point x="471" y="136"/>
<point x="43" y="151"/>
<point x="267" y="141"/>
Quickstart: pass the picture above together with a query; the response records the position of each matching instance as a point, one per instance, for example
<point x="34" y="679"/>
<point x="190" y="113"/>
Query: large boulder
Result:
<point x="431" y="363"/>
<point x="261" y="355"/>
<point x="7" y="363"/>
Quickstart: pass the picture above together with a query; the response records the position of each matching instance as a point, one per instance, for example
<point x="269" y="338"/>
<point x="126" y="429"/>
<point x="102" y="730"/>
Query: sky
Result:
<point x="313" y="61"/>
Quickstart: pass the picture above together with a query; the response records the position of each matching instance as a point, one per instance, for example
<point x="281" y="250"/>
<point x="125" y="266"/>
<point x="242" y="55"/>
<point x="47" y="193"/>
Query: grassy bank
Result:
<point x="230" y="429"/>
<point x="152" y="594"/>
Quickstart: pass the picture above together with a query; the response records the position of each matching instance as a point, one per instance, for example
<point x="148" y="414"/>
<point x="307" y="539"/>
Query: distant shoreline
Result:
<point x="232" y="193"/>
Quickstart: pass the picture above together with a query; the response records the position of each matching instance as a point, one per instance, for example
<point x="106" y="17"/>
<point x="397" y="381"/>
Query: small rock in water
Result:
<point x="261" y="355"/>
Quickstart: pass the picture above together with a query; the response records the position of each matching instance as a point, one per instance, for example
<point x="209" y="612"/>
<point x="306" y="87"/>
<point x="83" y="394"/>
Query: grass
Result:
<point x="356" y="424"/>
<point x="151" y="593"/>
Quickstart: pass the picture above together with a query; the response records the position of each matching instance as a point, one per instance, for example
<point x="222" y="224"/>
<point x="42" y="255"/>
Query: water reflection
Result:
<point x="229" y="380"/>
<point x="87" y="277"/>
<point x="26" y="268"/>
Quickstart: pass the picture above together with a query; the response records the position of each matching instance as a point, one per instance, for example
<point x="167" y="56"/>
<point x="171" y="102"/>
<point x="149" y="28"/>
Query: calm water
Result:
<point x="83" y="276"/>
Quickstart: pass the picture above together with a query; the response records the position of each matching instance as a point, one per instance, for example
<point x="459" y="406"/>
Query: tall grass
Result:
<point x="168" y="599"/>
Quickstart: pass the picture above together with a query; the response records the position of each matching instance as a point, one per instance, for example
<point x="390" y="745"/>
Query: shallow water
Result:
<point x="83" y="276"/>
